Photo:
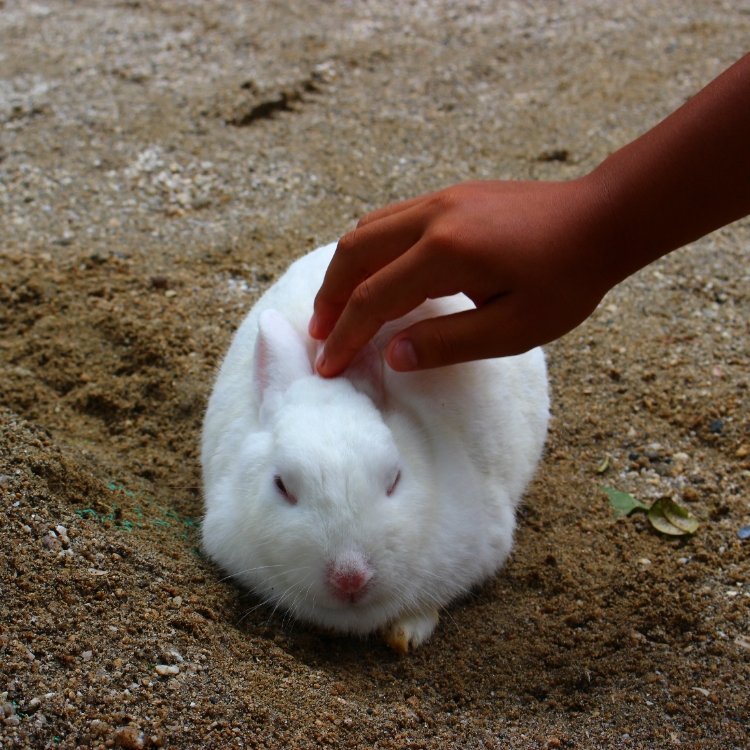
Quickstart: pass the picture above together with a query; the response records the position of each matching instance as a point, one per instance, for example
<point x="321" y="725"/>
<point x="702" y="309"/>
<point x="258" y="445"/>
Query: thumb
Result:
<point x="492" y="330"/>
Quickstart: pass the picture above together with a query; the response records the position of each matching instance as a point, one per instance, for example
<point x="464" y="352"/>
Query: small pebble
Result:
<point x="160" y="282"/>
<point x="62" y="533"/>
<point x="716" y="427"/>
<point x="690" y="494"/>
<point x="51" y="542"/>
<point x="99" y="728"/>
<point x="167" y="670"/>
<point x="128" y="738"/>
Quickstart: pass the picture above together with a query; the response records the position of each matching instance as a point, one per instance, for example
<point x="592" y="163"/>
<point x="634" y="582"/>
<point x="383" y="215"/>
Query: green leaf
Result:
<point x="669" y="518"/>
<point x="623" y="502"/>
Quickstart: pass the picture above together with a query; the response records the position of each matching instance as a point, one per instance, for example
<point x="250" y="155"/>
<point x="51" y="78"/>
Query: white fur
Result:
<point x="466" y="439"/>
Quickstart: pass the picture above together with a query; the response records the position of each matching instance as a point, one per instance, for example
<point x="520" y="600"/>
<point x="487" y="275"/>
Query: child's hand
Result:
<point x="526" y="254"/>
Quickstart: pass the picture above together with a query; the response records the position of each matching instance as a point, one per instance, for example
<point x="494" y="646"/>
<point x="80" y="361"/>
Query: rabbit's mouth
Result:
<point x="349" y="581"/>
<point x="354" y="598"/>
<point x="360" y="611"/>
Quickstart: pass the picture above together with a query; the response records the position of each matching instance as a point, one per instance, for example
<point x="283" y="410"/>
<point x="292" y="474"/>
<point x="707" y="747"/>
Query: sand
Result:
<point x="160" y="164"/>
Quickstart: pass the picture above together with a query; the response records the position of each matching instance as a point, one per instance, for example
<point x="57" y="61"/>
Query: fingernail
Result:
<point x="402" y="355"/>
<point x="313" y="327"/>
<point x="320" y="362"/>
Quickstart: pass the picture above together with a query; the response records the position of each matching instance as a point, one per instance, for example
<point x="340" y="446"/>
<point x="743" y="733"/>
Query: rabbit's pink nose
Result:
<point x="349" y="583"/>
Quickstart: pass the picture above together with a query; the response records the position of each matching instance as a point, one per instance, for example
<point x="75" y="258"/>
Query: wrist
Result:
<point x="602" y="237"/>
<point x="623" y="221"/>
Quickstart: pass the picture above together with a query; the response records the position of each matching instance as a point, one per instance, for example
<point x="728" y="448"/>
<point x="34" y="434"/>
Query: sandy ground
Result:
<point x="160" y="164"/>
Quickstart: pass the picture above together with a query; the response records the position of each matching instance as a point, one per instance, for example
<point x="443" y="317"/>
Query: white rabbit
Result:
<point x="371" y="500"/>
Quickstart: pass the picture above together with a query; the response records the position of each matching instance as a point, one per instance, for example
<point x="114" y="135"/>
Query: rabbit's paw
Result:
<point x="411" y="631"/>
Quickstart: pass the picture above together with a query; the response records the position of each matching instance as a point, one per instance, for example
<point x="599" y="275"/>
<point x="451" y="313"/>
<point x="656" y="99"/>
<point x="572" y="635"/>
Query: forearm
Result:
<point x="681" y="180"/>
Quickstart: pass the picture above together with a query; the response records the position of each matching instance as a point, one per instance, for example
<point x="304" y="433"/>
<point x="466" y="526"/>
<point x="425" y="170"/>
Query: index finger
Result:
<point x="360" y="254"/>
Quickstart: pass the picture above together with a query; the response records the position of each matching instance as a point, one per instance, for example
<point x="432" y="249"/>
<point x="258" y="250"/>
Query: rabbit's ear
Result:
<point x="366" y="374"/>
<point x="281" y="356"/>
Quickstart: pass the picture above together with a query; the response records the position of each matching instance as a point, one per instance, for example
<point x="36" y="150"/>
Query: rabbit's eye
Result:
<point x="394" y="483"/>
<point x="283" y="491"/>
